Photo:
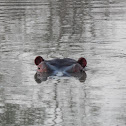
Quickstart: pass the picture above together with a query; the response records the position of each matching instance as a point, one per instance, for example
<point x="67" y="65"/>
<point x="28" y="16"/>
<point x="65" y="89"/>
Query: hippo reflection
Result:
<point x="60" y="67"/>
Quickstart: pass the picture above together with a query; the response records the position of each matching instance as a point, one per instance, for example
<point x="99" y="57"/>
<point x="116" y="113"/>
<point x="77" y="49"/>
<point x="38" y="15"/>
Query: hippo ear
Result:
<point x="82" y="61"/>
<point x="38" y="60"/>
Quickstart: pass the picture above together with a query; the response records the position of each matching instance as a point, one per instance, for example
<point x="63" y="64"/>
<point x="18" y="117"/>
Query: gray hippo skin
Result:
<point x="60" y="67"/>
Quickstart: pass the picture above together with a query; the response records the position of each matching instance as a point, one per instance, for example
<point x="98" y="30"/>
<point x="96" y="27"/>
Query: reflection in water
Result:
<point x="63" y="28"/>
<point x="39" y="77"/>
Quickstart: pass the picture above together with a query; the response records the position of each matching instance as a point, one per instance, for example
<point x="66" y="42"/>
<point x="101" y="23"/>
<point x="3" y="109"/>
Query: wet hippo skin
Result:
<point x="59" y="67"/>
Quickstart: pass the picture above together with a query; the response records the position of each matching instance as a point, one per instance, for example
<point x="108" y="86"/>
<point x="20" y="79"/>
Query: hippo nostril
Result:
<point x="38" y="68"/>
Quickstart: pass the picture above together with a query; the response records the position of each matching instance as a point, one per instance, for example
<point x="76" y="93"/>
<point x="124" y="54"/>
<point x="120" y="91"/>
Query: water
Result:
<point x="95" y="29"/>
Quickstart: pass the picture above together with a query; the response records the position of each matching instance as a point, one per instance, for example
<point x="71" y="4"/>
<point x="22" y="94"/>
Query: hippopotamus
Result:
<point x="59" y="67"/>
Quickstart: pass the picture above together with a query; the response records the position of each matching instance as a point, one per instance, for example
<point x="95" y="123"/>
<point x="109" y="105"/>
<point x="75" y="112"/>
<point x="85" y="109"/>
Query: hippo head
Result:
<point x="59" y="67"/>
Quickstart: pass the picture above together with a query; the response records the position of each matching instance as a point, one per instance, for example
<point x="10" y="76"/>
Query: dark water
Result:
<point x="95" y="29"/>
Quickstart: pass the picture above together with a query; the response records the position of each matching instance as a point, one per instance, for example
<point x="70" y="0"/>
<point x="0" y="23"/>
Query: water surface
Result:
<point x="94" y="29"/>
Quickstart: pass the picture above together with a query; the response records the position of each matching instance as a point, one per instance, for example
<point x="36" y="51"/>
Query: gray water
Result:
<point x="94" y="29"/>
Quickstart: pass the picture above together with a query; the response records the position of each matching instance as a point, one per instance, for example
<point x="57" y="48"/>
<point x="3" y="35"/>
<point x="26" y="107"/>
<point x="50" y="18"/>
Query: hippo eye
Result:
<point x="38" y="68"/>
